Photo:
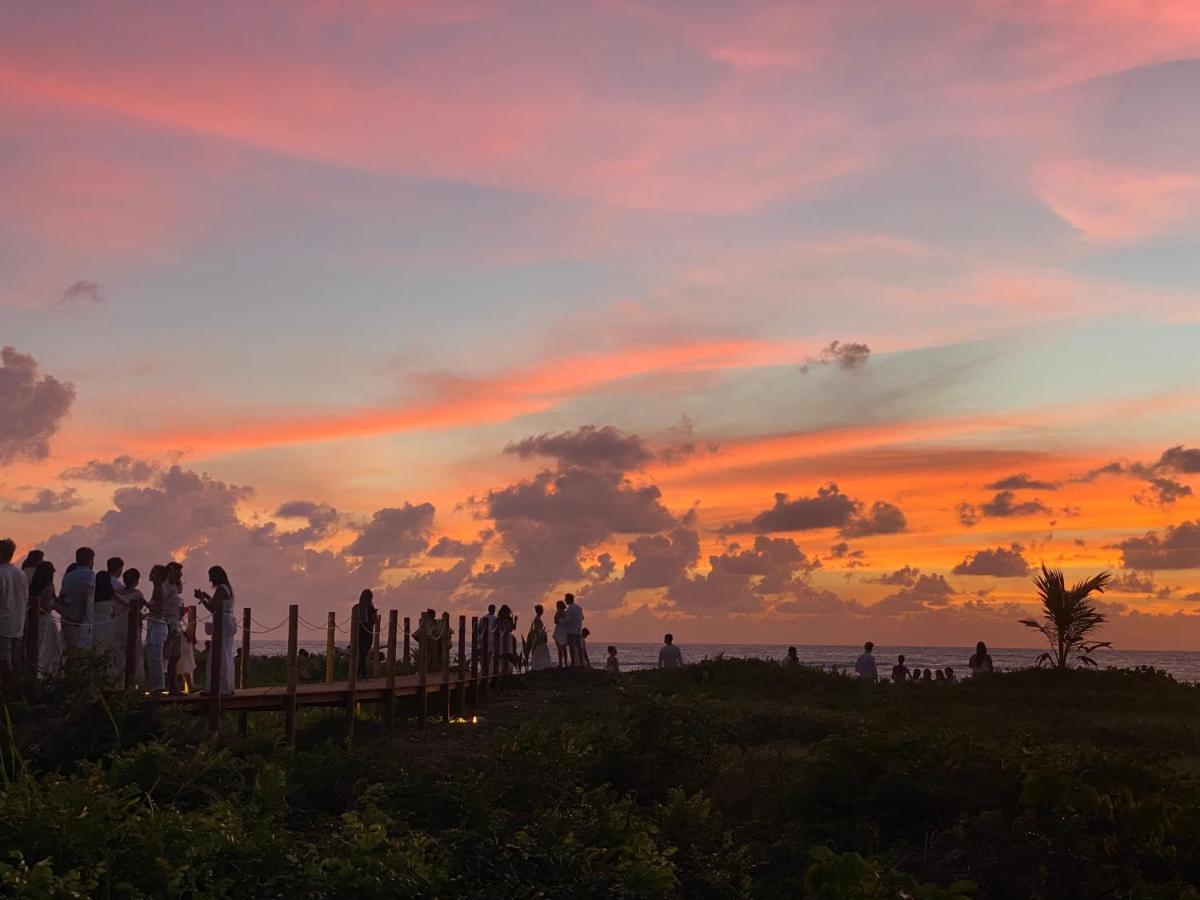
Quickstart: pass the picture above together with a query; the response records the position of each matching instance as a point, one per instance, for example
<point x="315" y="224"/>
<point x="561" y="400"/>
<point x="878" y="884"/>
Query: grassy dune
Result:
<point x="727" y="779"/>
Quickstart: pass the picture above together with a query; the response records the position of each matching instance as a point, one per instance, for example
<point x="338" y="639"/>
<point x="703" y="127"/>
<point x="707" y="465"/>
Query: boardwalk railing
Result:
<point x="460" y="683"/>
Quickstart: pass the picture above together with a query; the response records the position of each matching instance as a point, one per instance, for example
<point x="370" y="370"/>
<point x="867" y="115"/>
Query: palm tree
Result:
<point x="1069" y="617"/>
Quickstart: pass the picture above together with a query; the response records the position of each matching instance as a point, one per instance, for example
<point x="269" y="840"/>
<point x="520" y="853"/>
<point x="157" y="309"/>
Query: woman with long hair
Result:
<point x="156" y="630"/>
<point x="537" y="648"/>
<point x="560" y="633"/>
<point x="980" y="662"/>
<point x="220" y="604"/>
<point x="41" y="593"/>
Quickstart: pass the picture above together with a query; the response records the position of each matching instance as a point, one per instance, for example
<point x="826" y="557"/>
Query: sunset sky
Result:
<point x="797" y="322"/>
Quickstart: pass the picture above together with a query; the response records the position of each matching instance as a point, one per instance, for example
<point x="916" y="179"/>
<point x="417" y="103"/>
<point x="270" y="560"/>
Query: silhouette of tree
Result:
<point x="1069" y="617"/>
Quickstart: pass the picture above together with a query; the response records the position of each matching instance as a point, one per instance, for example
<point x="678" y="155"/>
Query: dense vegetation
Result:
<point x="726" y="779"/>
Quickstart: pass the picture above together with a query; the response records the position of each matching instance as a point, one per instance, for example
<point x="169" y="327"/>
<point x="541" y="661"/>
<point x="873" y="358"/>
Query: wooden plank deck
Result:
<point x="273" y="697"/>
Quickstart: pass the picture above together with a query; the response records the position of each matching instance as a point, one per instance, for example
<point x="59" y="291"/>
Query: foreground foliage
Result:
<point x="724" y="780"/>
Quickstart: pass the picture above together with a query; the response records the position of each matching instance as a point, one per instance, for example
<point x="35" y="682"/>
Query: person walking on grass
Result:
<point x="669" y="656"/>
<point x="574" y="620"/>
<point x="865" y="664"/>
<point x="14" y="603"/>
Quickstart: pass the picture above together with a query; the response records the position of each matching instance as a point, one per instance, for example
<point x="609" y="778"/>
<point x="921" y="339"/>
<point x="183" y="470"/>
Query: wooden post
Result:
<point x="422" y="671"/>
<point x="496" y="651"/>
<point x="243" y="675"/>
<point x="376" y="628"/>
<point x="352" y="676"/>
<point x="484" y="639"/>
<point x="133" y="631"/>
<point x="462" y="666"/>
<point x="216" y="661"/>
<point x="389" y="703"/>
<point x="289" y="708"/>
<point x="407" y="654"/>
<point x="475" y="662"/>
<point x="330" y="646"/>
<point x="444" y="649"/>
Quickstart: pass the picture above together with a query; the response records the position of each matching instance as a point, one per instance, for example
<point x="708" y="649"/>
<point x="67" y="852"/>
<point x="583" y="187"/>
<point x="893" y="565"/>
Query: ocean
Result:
<point x="1184" y="665"/>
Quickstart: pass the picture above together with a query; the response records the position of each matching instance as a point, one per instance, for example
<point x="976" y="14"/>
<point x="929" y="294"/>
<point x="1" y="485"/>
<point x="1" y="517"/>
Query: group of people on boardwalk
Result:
<point x="97" y="613"/>
<point x="980" y="663"/>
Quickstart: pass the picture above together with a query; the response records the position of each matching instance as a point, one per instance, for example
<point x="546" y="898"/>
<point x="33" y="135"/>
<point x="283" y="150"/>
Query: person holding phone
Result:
<point x="220" y="604"/>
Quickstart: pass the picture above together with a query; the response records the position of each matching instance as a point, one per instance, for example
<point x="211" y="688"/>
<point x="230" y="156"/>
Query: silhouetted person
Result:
<point x="366" y="632"/>
<point x="220" y="604"/>
<point x="949" y="674"/>
<point x="980" y="662"/>
<point x="583" y="650"/>
<point x="32" y="559"/>
<point x="127" y="601"/>
<point x="486" y="624"/>
<point x="612" y="665"/>
<point x="865" y="664"/>
<point x="573" y="617"/>
<point x="104" y="637"/>
<point x="939" y="675"/>
<point x="14" y="606"/>
<point x="928" y="676"/>
<point x="172" y="586"/>
<point x="791" y="659"/>
<point x="669" y="656"/>
<point x="560" y="633"/>
<point x="536" y="643"/>
<point x="157" y="630"/>
<point x="77" y="602"/>
<point x="49" y="641"/>
<point x="899" y="670"/>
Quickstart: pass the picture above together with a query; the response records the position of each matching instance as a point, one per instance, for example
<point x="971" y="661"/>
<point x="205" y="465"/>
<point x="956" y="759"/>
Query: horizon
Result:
<point x="682" y="308"/>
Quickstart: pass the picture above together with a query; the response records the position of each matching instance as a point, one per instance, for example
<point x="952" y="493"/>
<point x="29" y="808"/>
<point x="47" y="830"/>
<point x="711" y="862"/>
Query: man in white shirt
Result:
<point x="865" y="664"/>
<point x="574" y="622"/>
<point x="669" y="656"/>
<point x="14" y="600"/>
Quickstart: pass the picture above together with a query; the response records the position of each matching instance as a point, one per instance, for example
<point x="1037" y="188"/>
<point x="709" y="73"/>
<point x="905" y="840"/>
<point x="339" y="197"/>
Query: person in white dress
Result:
<point x="536" y="644"/>
<point x="42" y="594"/>
<point x="220" y="604"/>
<point x="107" y="636"/>
<point x="865" y="664"/>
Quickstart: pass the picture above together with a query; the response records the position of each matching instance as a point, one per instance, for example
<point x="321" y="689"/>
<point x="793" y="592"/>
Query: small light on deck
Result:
<point x="459" y="720"/>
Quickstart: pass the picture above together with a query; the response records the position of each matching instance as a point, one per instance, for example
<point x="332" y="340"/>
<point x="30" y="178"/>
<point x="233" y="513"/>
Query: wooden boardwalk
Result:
<point x="450" y="682"/>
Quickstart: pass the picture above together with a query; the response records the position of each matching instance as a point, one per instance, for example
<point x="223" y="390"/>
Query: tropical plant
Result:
<point x="1069" y="617"/>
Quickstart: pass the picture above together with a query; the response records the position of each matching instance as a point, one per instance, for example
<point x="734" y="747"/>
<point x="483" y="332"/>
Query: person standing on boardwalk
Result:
<point x="560" y="632"/>
<point x="105" y="640"/>
<point x="220" y="604"/>
<point x="366" y="631"/>
<point x="49" y="641"/>
<point x="14" y="602"/>
<point x="77" y="602"/>
<point x="173" y="612"/>
<point x="537" y="646"/>
<point x="980" y="662"/>
<point x="574" y="622"/>
<point x="127" y="601"/>
<point x="865" y="664"/>
<point x="669" y="656"/>
<point x="32" y="560"/>
<point x="156" y="630"/>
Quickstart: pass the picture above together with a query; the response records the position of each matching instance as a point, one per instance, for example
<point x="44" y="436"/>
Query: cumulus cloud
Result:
<point x="47" y="500"/>
<point x="589" y="446"/>
<point x="741" y="580"/>
<point x="1004" y="505"/>
<point x="848" y="356"/>
<point x="1177" y="548"/>
<point x="123" y="469"/>
<point x="1162" y="492"/>
<point x="1022" y="482"/>
<point x="322" y="521"/>
<point x="81" y="293"/>
<point x="881" y="518"/>
<point x="1185" y="460"/>
<point x="905" y="576"/>
<point x="680" y="444"/>
<point x="1132" y="583"/>
<point x="925" y="592"/>
<point x="31" y="408"/>
<point x="998" y="562"/>
<point x="828" y="508"/>
<point x="546" y="522"/>
<point x="394" y="534"/>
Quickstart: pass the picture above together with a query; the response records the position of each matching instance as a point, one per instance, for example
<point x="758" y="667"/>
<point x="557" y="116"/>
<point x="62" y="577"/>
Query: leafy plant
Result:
<point x="1069" y="617"/>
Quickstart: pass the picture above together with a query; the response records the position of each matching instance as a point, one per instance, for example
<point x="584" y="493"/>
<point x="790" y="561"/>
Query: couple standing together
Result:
<point x="568" y="632"/>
